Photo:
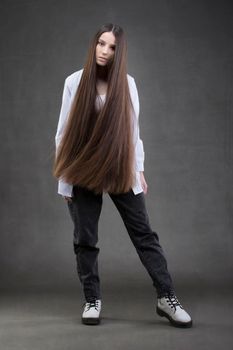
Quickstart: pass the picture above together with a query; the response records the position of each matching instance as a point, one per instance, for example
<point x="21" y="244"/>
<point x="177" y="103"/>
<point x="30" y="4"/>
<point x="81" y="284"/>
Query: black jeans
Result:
<point x="85" y="211"/>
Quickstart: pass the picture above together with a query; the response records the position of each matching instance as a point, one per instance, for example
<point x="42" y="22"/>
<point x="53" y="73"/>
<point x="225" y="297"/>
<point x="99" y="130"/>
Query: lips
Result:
<point x="102" y="58"/>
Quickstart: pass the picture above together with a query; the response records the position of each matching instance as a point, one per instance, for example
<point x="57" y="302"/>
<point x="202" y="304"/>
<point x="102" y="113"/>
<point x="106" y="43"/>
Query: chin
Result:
<point x="102" y="63"/>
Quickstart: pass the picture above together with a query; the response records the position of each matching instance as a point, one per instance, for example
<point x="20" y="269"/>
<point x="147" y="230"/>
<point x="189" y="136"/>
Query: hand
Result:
<point x="68" y="199"/>
<point x="143" y="182"/>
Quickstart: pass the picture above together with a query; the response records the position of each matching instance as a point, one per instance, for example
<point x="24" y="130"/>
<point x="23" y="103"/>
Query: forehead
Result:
<point x="108" y="37"/>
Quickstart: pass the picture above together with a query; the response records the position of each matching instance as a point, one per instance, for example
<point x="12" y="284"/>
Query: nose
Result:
<point x="105" y="50"/>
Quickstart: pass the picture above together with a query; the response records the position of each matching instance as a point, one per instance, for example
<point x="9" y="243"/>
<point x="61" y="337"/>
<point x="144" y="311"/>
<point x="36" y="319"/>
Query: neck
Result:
<point x="102" y="73"/>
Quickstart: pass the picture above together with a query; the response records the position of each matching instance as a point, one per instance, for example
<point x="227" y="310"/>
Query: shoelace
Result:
<point x="94" y="303"/>
<point x="173" y="301"/>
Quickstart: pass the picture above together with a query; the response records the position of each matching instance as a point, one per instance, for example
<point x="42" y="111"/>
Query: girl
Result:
<point x="98" y="149"/>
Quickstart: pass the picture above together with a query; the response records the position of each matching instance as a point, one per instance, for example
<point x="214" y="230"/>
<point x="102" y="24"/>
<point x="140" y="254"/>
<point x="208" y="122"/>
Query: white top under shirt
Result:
<point x="100" y="102"/>
<point x="70" y="88"/>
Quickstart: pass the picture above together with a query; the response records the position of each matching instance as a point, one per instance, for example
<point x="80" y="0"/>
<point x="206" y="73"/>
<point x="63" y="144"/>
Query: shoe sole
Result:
<point x="175" y="323"/>
<point x="90" y="320"/>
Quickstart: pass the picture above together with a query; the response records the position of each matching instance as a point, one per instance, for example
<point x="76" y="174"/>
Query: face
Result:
<point x="105" y="48"/>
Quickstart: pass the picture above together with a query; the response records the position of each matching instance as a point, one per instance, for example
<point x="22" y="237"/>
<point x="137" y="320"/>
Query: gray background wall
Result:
<point x="180" y="54"/>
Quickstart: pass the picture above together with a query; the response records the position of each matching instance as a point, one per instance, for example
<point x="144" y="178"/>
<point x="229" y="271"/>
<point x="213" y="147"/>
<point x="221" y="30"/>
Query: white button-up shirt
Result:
<point x="70" y="88"/>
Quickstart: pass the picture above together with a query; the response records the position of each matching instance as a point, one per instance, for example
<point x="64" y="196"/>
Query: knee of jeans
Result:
<point x="156" y="235"/>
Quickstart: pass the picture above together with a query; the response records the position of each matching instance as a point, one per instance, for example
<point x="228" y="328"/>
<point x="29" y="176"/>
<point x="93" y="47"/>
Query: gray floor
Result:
<point x="45" y="319"/>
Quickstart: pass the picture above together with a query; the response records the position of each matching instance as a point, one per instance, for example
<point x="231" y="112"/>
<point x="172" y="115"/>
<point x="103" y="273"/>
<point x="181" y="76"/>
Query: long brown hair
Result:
<point x="96" y="150"/>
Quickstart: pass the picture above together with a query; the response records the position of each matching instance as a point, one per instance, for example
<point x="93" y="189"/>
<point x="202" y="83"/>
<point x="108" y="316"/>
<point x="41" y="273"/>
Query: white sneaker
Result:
<point x="170" y="307"/>
<point x="91" y="313"/>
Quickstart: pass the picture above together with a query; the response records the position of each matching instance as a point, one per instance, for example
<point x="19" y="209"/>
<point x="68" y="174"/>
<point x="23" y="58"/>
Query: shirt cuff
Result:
<point x="65" y="189"/>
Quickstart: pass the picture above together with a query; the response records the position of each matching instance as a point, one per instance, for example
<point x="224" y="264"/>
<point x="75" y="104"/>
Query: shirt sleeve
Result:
<point x="139" y="148"/>
<point x="64" y="188"/>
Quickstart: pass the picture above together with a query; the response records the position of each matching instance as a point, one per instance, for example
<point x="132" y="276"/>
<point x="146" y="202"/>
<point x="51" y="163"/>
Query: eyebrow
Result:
<point x="105" y="42"/>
